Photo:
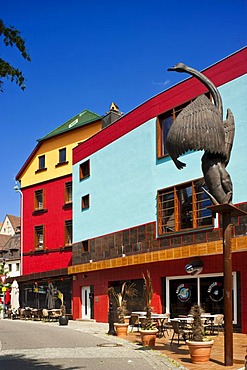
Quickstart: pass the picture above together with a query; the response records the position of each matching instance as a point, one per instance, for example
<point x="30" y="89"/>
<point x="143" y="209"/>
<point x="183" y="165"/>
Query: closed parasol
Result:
<point x="15" y="305"/>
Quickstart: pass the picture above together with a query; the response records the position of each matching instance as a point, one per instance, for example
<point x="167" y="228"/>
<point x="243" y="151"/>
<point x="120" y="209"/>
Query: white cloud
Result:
<point x="161" y="83"/>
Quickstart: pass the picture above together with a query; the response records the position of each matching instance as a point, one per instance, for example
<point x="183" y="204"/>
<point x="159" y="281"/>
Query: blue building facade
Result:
<point x="122" y="177"/>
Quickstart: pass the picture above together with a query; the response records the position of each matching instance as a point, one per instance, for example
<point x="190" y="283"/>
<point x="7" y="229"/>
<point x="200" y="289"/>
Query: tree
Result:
<point x="11" y="37"/>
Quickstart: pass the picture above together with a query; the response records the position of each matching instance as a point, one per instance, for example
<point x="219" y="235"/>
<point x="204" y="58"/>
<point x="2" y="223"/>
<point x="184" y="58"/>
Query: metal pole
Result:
<point x="227" y="264"/>
<point x="111" y="320"/>
<point x="227" y="211"/>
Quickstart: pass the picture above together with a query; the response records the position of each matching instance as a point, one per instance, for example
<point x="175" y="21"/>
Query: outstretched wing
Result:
<point x="197" y="127"/>
<point x="229" y="128"/>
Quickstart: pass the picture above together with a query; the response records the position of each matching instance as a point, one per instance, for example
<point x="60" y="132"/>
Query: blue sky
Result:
<point x="86" y="54"/>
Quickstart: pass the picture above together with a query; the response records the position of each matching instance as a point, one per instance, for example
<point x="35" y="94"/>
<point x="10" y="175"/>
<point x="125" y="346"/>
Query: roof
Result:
<point x="3" y="240"/>
<point x="81" y="119"/>
<point x="11" y="250"/>
<point x="15" y="221"/>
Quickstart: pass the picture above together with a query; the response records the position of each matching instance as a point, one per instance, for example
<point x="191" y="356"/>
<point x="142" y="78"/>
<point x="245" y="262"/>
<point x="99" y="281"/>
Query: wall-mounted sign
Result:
<point x="216" y="291"/>
<point x="183" y="292"/>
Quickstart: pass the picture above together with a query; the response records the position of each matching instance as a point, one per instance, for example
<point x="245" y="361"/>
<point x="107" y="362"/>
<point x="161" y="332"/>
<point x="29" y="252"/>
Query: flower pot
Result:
<point x="148" y="337"/>
<point x="200" y="351"/>
<point x="63" y="320"/>
<point x="121" y="329"/>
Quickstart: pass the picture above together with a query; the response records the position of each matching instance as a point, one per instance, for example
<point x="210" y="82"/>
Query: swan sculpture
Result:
<point x="200" y="126"/>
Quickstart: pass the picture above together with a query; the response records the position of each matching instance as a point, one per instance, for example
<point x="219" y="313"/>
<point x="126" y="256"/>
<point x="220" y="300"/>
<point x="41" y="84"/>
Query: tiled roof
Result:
<point x="3" y="240"/>
<point x="80" y="119"/>
<point x="12" y="248"/>
<point x="15" y="221"/>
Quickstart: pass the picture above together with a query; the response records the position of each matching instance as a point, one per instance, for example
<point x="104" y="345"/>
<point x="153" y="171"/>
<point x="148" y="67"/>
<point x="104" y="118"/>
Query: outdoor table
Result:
<point x="161" y="320"/>
<point x="36" y="313"/>
<point x="140" y="313"/>
<point x="209" y="321"/>
<point x="54" y="313"/>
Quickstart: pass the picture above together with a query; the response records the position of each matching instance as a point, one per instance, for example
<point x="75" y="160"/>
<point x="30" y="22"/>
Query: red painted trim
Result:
<point x="220" y="73"/>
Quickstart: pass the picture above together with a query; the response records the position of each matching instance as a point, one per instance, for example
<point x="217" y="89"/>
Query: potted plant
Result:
<point x="148" y="331"/>
<point x="127" y="290"/>
<point x="199" y="345"/>
<point x="63" y="319"/>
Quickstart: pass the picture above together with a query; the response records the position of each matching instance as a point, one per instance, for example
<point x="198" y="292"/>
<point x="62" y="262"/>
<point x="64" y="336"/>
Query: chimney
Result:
<point x="111" y="116"/>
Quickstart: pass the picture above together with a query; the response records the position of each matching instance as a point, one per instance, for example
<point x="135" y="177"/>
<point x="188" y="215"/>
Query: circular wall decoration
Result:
<point x="183" y="292"/>
<point x="216" y="291"/>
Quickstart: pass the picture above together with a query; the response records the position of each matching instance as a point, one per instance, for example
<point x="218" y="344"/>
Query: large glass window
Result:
<point x="35" y="294"/>
<point x="136" y="303"/>
<point x="205" y="290"/>
<point x="183" y="295"/>
<point x="183" y="207"/>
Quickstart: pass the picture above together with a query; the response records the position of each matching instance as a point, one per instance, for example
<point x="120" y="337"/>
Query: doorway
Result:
<point x="86" y="299"/>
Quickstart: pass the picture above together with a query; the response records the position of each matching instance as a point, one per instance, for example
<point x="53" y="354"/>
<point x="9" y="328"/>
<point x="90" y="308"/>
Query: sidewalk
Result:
<point x="156" y="359"/>
<point x="175" y="357"/>
<point x="181" y="353"/>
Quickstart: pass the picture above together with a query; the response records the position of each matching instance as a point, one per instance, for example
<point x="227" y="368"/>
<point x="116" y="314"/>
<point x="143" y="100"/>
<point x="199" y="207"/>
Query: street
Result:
<point x="46" y="345"/>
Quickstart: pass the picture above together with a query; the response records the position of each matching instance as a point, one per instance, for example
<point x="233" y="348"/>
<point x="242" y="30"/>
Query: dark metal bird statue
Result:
<point x="200" y="126"/>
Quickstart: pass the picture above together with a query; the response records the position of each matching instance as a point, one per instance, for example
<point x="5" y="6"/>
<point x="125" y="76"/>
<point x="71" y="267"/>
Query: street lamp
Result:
<point x="18" y="190"/>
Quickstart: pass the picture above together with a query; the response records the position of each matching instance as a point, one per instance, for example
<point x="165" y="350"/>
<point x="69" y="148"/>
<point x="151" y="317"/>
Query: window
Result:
<point x="38" y="200"/>
<point x="204" y="289"/>
<point x="163" y="123"/>
<point x="17" y="268"/>
<point x="183" y="207"/>
<point x="10" y="267"/>
<point x="85" y="202"/>
<point x="84" y="170"/>
<point x="62" y="155"/>
<point x="85" y="246"/>
<point x="41" y="162"/>
<point x="68" y="232"/>
<point x="39" y="237"/>
<point x="68" y="192"/>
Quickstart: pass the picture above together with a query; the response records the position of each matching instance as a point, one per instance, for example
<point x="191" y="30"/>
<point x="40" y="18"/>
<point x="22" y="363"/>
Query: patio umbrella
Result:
<point x="14" y="302"/>
<point x="50" y="297"/>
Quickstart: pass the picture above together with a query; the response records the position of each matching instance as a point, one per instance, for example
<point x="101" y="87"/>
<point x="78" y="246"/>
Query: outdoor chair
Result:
<point x="27" y="313"/>
<point x="162" y="326"/>
<point x="217" y="323"/>
<point x="134" y="322"/>
<point x="45" y="314"/>
<point x="179" y="331"/>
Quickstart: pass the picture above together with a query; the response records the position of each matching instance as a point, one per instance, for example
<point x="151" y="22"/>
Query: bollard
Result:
<point x="111" y="320"/>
